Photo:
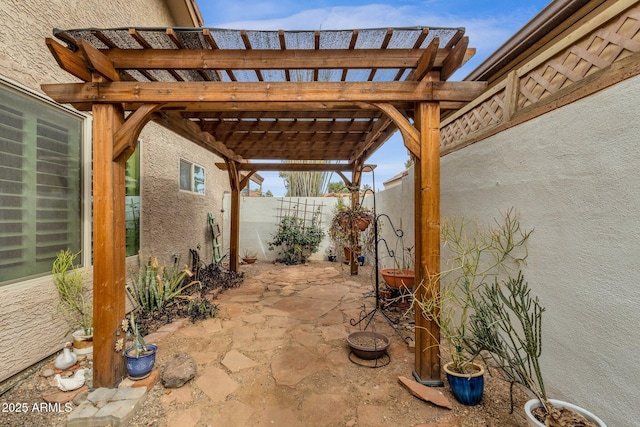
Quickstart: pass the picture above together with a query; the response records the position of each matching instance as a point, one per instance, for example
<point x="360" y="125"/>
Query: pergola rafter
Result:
<point x="325" y="100"/>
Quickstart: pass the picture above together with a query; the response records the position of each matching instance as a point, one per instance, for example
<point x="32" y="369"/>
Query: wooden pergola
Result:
<point x="266" y="96"/>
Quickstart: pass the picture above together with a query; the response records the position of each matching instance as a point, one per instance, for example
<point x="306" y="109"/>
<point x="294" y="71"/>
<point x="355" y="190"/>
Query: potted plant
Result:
<point x="350" y="230"/>
<point x="473" y="258"/>
<point x="331" y="253"/>
<point x="507" y="324"/>
<point x="140" y="357"/>
<point x="403" y="275"/>
<point x="249" y="256"/>
<point x="74" y="303"/>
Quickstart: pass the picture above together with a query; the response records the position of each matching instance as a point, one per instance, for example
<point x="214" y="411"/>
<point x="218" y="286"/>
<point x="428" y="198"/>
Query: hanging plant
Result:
<point x="352" y="224"/>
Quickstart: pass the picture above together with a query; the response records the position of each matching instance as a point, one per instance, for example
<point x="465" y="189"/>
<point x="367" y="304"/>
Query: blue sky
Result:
<point x="488" y="24"/>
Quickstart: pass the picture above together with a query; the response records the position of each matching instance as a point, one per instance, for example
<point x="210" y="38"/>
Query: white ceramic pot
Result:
<point x="82" y="344"/>
<point x="534" y="403"/>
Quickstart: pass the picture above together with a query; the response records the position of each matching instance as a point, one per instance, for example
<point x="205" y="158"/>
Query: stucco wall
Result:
<point x="174" y="221"/>
<point x="31" y="328"/>
<point x="259" y="222"/>
<point x="24" y="56"/>
<point x="395" y="209"/>
<point x="573" y="175"/>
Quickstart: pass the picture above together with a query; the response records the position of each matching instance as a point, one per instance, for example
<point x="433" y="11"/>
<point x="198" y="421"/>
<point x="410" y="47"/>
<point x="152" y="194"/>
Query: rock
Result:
<point x="179" y="370"/>
<point x="48" y="373"/>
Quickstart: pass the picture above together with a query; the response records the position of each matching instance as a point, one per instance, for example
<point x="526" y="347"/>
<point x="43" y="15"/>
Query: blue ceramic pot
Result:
<point x="142" y="365"/>
<point x="361" y="259"/>
<point x="467" y="388"/>
<point x="332" y="258"/>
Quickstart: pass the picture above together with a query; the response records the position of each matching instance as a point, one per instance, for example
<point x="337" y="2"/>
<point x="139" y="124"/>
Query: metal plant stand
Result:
<point x="365" y="316"/>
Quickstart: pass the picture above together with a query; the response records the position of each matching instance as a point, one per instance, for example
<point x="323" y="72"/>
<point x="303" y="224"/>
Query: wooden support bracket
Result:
<point x="126" y="137"/>
<point x="410" y="134"/>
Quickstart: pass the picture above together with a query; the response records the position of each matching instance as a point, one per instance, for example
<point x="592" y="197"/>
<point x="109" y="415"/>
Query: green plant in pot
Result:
<point x="249" y="256"/>
<point x="402" y="275"/>
<point x="140" y="356"/>
<point x="507" y="326"/>
<point x="474" y="256"/>
<point x="74" y="302"/>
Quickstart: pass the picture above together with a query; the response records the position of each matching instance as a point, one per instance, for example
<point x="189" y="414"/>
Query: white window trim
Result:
<point x="86" y="149"/>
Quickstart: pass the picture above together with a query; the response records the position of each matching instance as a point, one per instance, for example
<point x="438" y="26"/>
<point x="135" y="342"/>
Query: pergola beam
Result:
<point x="98" y="62"/>
<point x="291" y="167"/>
<point x="268" y="59"/>
<point x="189" y="130"/>
<point x="261" y="92"/>
<point x="299" y="109"/>
<point x="409" y="133"/>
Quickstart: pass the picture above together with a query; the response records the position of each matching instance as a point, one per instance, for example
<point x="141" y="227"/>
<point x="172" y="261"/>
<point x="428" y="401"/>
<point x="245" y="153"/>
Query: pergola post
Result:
<point x="234" y="238"/>
<point x="109" y="245"/>
<point x="427" y="240"/>
<point x="353" y="264"/>
<point x="354" y="186"/>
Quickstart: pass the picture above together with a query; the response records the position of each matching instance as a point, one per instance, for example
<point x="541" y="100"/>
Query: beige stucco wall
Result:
<point x="573" y="175"/>
<point x="31" y="328"/>
<point x="174" y="221"/>
<point x="24" y="56"/>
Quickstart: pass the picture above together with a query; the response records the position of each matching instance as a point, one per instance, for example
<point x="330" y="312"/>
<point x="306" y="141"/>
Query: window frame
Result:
<point x="192" y="177"/>
<point x="86" y="147"/>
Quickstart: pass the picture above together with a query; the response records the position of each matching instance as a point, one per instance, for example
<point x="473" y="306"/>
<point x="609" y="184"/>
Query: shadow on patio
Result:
<point x="276" y="354"/>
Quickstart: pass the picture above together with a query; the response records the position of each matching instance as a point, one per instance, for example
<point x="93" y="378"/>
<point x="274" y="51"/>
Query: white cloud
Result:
<point x="487" y="31"/>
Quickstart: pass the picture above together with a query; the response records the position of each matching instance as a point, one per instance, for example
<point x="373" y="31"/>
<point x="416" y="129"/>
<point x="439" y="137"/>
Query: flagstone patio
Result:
<point x="277" y="355"/>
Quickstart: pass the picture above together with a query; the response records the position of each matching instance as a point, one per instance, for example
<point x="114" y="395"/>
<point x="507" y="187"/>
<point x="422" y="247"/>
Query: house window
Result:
<point x="132" y="202"/>
<point x="40" y="183"/>
<point x="191" y="177"/>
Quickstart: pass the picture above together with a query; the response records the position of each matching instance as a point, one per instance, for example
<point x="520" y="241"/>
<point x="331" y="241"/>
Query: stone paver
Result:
<point x="292" y="366"/>
<point x="305" y="308"/>
<point x="216" y="384"/>
<point x="185" y="418"/>
<point x="332" y="292"/>
<point x="236" y="361"/>
<point x="115" y="407"/>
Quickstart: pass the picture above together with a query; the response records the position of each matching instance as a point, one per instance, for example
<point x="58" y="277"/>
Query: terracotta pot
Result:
<point x="362" y="223"/>
<point x="347" y="254"/>
<point x="535" y="403"/>
<point x="249" y="260"/>
<point x="397" y="278"/>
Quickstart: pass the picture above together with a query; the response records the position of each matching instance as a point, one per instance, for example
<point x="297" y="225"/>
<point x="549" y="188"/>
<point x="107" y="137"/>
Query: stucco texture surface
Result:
<point x="32" y="329"/>
<point x="573" y="176"/>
